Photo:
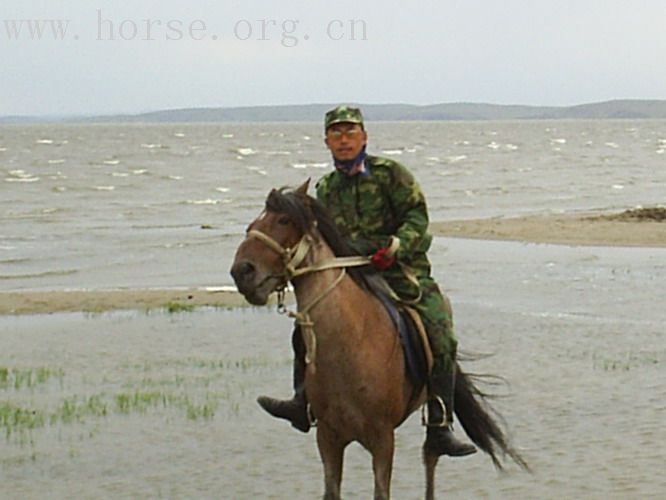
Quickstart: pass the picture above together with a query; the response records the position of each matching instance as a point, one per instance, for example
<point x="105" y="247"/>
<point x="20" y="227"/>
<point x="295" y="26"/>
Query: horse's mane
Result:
<point x="304" y="210"/>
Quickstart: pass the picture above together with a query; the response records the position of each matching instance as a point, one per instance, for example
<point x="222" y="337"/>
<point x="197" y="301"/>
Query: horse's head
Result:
<point x="263" y="258"/>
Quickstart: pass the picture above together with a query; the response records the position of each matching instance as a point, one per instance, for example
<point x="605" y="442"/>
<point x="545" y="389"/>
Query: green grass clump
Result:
<point x="630" y="360"/>
<point x="141" y="401"/>
<point x="204" y="411"/>
<point x="77" y="409"/>
<point x="17" y="420"/>
<point x="177" y="307"/>
<point x="20" y="378"/>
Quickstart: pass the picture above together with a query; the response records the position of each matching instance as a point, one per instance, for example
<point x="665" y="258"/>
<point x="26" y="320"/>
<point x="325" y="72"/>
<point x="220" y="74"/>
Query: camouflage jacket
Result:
<point x="370" y="208"/>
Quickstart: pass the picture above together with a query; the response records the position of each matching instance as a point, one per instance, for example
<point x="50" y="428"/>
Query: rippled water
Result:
<point x="123" y="205"/>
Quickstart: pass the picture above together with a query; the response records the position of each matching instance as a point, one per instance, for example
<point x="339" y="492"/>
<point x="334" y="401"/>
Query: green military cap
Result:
<point x="343" y="114"/>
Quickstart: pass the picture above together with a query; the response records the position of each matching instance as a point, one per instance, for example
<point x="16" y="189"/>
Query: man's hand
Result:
<point x="383" y="258"/>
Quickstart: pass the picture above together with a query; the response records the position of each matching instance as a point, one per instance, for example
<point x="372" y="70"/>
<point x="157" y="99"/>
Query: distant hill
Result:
<point x="616" y="109"/>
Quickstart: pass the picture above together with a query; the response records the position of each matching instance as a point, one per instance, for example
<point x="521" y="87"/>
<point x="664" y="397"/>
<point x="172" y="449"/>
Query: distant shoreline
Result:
<point x="633" y="228"/>
<point x="630" y="109"/>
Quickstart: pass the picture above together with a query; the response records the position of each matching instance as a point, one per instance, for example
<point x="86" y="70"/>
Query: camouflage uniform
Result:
<point x="383" y="202"/>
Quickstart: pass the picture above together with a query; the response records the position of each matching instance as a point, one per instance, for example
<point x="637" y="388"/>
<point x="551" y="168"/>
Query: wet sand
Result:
<point x="632" y="228"/>
<point x="94" y="301"/>
<point x="628" y="228"/>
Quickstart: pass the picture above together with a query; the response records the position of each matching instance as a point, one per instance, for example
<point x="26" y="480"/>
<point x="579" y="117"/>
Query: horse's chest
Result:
<point x="342" y="395"/>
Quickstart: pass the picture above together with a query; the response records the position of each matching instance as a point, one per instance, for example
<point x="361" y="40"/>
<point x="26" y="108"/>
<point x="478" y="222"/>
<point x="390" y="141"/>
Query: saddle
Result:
<point x="414" y="340"/>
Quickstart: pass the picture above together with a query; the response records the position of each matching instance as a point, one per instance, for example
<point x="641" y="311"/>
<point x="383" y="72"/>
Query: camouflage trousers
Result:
<point x="434" y="310"/>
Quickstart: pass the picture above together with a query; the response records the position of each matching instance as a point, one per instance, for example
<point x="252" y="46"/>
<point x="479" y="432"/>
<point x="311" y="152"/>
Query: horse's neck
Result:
<point x="310" y="286"/>
<point x="354" y="339"/>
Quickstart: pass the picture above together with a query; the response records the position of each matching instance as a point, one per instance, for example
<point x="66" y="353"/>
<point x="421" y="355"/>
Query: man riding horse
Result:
<point x="381" y="211"/>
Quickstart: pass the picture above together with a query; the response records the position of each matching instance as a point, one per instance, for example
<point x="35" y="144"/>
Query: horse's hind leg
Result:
<point x="331" y="451"/>
<point x="430" y="462"/>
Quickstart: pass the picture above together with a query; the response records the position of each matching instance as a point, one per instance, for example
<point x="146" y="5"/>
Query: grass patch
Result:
<point x="77" y="409"/>
<point x="628" y="361"/>
<point x="17" y="420"/>
<point x="205" y="411"/>
<point x="194" y="392"/>
<point x="20" y="378"/>
<point x="140" y="401"/>
<point x="247" y="364"/>
<point x="178" y="307"/>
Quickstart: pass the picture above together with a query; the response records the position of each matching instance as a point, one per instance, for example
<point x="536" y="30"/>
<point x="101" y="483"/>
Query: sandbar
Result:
<point x="633" y="228"/>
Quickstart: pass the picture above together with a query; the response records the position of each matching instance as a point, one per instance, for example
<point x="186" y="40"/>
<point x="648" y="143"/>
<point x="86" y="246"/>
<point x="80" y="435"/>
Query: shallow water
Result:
<point x="123" y="205"/>
<point x="577" y="332"/>
<point x="160" y="405"/>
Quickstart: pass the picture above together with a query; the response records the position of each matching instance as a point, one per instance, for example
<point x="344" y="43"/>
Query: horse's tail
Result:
<point x="474" y="412"/>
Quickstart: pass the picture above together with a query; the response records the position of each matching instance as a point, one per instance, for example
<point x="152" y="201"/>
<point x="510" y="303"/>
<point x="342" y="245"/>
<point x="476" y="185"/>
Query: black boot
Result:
<point x="439" y="434"/>
<point x="295" y="409"/>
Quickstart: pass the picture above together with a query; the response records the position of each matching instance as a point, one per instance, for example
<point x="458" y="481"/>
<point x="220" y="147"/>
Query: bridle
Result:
<point x="292" y="258"/>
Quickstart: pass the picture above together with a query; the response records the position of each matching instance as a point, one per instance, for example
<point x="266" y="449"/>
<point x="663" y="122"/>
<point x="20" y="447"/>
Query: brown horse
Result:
<point x="356" y="379"/>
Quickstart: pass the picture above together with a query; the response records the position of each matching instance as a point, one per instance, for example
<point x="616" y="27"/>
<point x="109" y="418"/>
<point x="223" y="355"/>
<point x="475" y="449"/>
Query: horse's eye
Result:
<point x="284" y="220"/>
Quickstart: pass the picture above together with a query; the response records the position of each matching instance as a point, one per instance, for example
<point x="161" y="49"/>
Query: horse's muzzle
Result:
<point x="243" y="272"/>
<point x="251" y="284"/>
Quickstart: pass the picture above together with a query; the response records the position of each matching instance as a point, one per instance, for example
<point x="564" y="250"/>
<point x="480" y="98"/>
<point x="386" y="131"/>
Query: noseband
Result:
<point x="291" y="257"/>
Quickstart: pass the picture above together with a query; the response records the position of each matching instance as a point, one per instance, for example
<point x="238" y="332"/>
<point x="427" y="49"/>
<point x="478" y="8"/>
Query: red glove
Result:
<point x="383" y="258"/>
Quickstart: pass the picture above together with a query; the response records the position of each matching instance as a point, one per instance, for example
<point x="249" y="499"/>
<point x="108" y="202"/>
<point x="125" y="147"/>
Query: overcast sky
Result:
<point x="146" y="55"/>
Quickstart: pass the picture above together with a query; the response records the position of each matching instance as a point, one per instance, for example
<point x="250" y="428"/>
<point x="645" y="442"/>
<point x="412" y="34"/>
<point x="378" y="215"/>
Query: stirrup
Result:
<point x="425" y="414"/>
<point x="312" y="420"/>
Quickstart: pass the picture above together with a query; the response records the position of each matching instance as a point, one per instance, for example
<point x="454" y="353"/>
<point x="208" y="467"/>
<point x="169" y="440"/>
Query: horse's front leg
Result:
<point x="382" y="449"/>
<point x="331" y="451"/>
<point x="430" y="462"/>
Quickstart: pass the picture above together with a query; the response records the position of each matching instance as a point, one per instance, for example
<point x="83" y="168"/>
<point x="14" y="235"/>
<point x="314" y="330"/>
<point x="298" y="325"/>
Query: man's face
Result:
<point x="345" y="140"/>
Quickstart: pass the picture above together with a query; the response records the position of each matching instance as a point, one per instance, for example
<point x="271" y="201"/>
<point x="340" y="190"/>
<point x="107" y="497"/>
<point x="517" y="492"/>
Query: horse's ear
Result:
<point x="303" y="188"/>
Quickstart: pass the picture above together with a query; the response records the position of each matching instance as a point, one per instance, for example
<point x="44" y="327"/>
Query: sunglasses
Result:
<point x="351" y="133"/>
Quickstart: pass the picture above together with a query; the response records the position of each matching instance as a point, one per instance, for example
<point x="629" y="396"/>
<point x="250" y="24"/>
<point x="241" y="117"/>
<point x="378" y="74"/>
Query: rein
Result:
<point x="292" y="258"/>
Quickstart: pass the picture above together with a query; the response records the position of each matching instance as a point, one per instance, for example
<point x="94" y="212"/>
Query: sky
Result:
<point x="107" y="56"/>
